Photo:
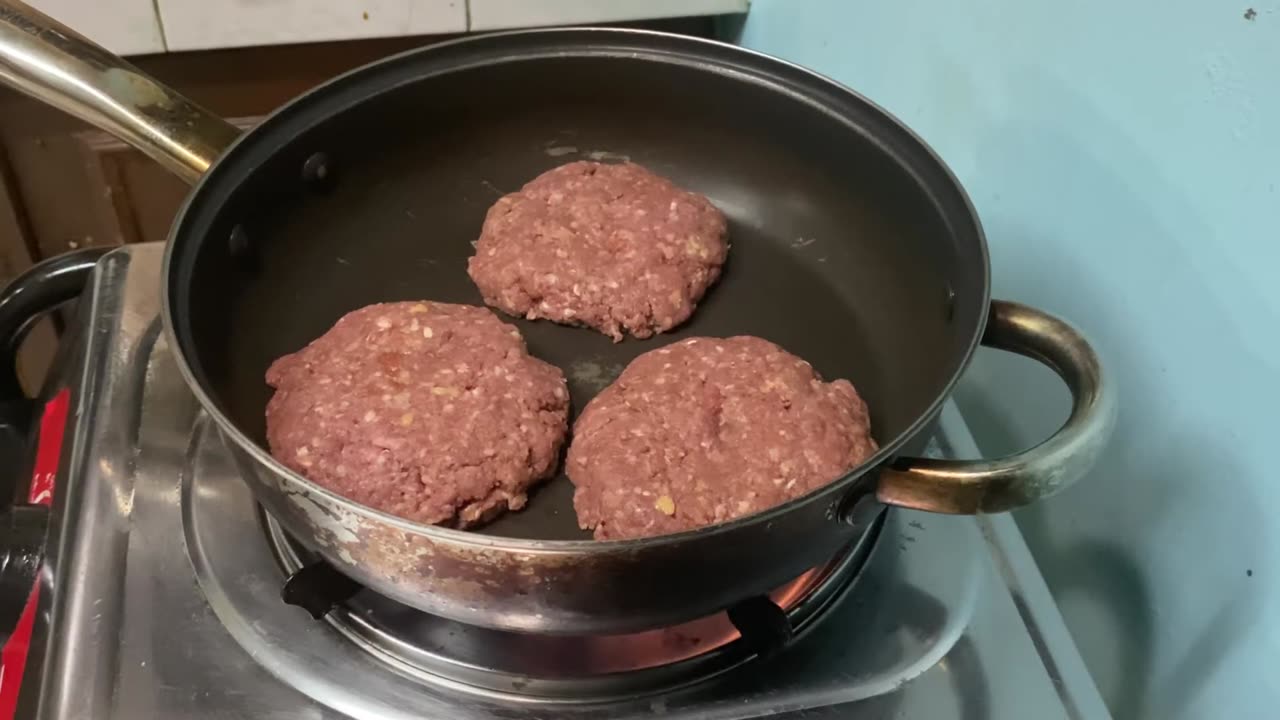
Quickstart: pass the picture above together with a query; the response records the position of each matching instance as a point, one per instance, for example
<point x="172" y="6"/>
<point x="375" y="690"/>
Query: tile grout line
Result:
<point x="164" y="39"/>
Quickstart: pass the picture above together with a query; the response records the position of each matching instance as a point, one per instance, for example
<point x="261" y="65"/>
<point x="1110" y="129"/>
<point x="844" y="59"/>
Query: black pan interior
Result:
<point x="851" y="246"/>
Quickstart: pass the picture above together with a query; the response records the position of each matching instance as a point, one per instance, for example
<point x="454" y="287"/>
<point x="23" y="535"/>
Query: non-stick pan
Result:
<point x="852" y="246"/>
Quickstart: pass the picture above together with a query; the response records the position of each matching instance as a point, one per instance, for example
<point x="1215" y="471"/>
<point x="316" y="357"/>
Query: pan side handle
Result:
<point x="988" y="486"/>
<point x="50" y="62"/>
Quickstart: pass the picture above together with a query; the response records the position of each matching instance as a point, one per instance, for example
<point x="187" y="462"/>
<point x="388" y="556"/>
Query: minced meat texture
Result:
<point x="707" y="430"/>
<point x="429" y="411"/>
<point x="613" y="247"/>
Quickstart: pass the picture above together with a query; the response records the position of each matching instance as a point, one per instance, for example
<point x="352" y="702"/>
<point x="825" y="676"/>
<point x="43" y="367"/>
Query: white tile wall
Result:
<point x="495" y="14"/>
<point x="125" y="27"/>
<point x="203" y="24"/>
<point x="133" y="27"/>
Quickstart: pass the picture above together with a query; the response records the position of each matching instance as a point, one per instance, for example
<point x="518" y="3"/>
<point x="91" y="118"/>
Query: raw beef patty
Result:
<point x="612" y="247"/>
<point x="429" y="411"/>
<point x="707" y="430"/>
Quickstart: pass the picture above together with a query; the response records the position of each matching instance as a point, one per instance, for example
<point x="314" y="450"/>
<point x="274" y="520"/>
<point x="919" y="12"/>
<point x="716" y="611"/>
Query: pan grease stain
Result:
<point x="594" y="373"/>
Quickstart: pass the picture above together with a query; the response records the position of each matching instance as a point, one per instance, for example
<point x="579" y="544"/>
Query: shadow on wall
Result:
<point x="1148" y="556"/>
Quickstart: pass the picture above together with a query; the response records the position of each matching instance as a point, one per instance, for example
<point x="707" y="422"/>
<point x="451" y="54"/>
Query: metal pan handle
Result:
<point x="988" y="486"/>
<point x="42" y="288"/>
<point x="52" y="63"/>
<point x="22" y="527"/>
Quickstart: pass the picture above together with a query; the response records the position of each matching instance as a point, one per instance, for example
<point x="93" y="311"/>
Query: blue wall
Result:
<point x="1125" y="159"/>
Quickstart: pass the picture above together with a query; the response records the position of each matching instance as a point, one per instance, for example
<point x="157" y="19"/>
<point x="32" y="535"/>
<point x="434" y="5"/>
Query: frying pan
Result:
<point x="853" y="247"/>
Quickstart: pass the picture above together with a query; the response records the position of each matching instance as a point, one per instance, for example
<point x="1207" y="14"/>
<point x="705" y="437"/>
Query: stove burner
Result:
<point x="318" y="588"/>
<point x="576" y="668"/>
<point x="765" y="628"/>
<point x="373" y="658"/>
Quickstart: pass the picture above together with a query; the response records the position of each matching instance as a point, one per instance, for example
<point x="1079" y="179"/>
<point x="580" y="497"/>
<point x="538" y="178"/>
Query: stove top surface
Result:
<point x="164" y="591"/>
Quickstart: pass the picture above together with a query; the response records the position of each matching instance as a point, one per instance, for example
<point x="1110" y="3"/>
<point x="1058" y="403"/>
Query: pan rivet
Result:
<point x="316" y="171"/>
<point x="858" y="509"/>
<point x="238" y="243"/>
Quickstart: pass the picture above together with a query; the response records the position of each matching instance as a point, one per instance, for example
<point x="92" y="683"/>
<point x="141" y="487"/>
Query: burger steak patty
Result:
<point x="613" y="247"/>
<point x="707" y="430"/>
<point x="430" y="411"/>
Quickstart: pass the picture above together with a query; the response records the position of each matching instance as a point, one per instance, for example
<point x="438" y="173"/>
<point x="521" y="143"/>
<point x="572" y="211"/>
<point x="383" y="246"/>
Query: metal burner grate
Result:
<point x="576" y="668"/>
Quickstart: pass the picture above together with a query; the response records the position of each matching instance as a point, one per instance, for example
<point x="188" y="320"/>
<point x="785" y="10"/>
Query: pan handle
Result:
<point x="52" y="63"/>
<point x="988" y="486"/>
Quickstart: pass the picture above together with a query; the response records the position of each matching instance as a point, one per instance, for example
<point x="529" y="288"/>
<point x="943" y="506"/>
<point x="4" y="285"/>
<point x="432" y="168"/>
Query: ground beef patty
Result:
<point x="433" y="412"/>
<point x="707" y="430"/>
<point x="613" y="247"/>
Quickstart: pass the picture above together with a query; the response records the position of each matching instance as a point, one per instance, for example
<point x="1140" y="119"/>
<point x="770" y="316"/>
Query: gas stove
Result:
<point x="162" y="596"/>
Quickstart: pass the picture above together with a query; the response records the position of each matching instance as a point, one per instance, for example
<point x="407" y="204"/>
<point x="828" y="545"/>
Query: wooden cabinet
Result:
<point x="17" y="249"/>
<point x="17" y="252"/>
